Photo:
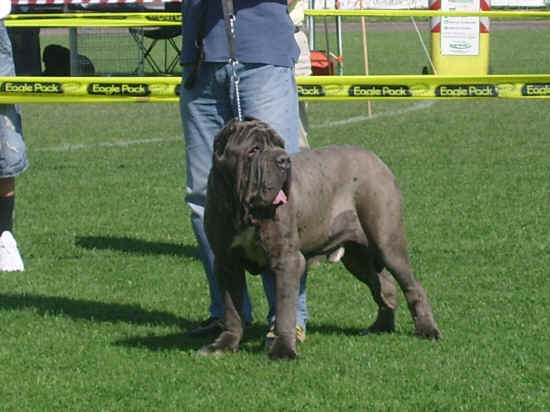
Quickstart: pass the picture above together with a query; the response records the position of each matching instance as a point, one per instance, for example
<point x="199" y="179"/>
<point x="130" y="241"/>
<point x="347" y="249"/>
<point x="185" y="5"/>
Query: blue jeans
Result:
<point x="13" y="153"/>
<point x="267" y="93"/>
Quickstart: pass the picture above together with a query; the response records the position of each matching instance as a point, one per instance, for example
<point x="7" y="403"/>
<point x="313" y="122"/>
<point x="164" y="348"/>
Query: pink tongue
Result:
<point x="281" y="198"/>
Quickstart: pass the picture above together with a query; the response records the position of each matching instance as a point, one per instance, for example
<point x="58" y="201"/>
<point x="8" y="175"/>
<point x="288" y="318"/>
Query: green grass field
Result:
<point x="98" y="320"/>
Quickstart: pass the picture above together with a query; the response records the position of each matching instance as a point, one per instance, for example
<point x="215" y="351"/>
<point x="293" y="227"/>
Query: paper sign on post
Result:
<point x="460" y="35"/>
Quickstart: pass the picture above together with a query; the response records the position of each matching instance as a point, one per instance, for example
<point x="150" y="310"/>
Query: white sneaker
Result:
<point x="10" y="259"/>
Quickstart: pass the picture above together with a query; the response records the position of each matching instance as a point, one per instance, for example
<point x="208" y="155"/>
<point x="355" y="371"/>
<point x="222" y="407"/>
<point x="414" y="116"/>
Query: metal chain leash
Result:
<point x="234" y="75"/>
<point x="229" y="18"/>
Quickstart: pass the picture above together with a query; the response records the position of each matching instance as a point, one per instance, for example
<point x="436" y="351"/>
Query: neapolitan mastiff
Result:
<point x="267" y="210"/>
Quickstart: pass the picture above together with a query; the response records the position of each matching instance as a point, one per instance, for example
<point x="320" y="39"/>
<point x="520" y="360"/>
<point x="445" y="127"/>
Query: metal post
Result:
<point x="340" y="48"/>
<point x="73" y="46"/>
<point x="140" y="56"/>
<point x="311" y="26"/>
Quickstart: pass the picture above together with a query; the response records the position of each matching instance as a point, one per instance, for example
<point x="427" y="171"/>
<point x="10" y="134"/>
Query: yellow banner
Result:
<point x="94" y="19"/>
<point x="88" y="89"/>
<point x="310" y="88"/>
<point x="330" y="88"/>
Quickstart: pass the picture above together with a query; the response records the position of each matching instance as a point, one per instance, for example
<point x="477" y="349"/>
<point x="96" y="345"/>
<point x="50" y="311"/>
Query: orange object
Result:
<point x="323" y="64"/>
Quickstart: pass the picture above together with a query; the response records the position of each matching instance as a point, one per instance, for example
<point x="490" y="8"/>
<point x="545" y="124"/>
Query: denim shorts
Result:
<point x="13" y="153"/>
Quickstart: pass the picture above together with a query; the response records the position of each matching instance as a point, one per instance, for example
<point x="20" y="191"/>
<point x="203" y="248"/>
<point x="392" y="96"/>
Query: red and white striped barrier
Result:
<point x="435" y="21"/>
<point x="53" y="2"/>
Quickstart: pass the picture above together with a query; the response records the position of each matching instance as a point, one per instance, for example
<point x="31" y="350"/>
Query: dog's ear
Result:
<point x="220" y="140"/>
<point x="274" y="138"/>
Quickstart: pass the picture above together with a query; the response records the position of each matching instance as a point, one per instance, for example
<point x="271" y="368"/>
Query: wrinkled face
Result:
<point x="251" y="156"/>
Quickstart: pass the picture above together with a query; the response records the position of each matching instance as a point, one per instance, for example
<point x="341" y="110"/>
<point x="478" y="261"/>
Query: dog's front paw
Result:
<point x="283" y="348"/>
<point x="226" y="343"/>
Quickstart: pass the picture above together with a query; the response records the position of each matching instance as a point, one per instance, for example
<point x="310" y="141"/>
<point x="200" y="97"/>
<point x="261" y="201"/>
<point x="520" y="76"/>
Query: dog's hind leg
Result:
<point x="360" y="262"/>
<point x="381" y="216"/>
<point x="395" y="258"/>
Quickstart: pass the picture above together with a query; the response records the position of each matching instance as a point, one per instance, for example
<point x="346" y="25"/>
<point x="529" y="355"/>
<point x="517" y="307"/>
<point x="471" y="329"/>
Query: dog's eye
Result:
<point x="254" y="151"/>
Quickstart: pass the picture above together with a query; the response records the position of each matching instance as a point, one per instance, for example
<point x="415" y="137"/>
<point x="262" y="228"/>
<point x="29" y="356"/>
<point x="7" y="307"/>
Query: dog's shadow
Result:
<point x="90" y="310"/>
<point x="136" y="246"/>
<point x="183" y="341"/>
<point x="253" y="340"/>
<point x="112" y="312"/>
<point x="173" y="341"/>
<point x="96" y="311"/>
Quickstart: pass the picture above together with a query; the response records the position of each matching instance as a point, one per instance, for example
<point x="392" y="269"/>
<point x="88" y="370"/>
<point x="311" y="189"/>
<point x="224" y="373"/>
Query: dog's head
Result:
<point x="250" y="157"/>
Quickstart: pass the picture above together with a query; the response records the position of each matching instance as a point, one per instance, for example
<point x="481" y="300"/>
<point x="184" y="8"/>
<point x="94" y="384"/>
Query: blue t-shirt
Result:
<point x="263" y="29"/>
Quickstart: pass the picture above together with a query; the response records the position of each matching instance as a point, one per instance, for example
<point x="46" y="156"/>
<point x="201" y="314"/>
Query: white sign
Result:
<point x="518" y="3"/>
<point x="370" y="4"/>
<point x="409" y="4"/>
<point x="460" y="35"/>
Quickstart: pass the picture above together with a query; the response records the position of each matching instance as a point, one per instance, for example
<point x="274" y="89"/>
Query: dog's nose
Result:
<point x="283" y="161"/>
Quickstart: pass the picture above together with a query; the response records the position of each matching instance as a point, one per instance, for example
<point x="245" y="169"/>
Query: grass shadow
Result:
<point x="136" y="246"/>
<point x="91" y="310"/>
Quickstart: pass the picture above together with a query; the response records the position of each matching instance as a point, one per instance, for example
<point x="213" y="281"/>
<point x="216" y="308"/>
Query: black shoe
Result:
<point x="210" y="327"/>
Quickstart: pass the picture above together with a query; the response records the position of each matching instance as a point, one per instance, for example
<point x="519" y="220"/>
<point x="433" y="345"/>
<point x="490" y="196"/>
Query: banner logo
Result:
<point x="536" y="89"/>
<point x="460" y="46"/>
<point x="119" y="89"/>
<point x="163" y="18"/>
<point x="477" y="90"/>
<point x="31" y="87"/>
<point x="379" y="91"/>
<point x="310" y="91"/>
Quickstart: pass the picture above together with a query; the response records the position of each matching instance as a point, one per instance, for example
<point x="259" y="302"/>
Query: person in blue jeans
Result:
<point x="266" y="52"/>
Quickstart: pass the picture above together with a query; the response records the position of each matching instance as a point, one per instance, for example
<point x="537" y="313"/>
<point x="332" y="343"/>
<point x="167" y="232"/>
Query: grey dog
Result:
<point x="267" y="210"/>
